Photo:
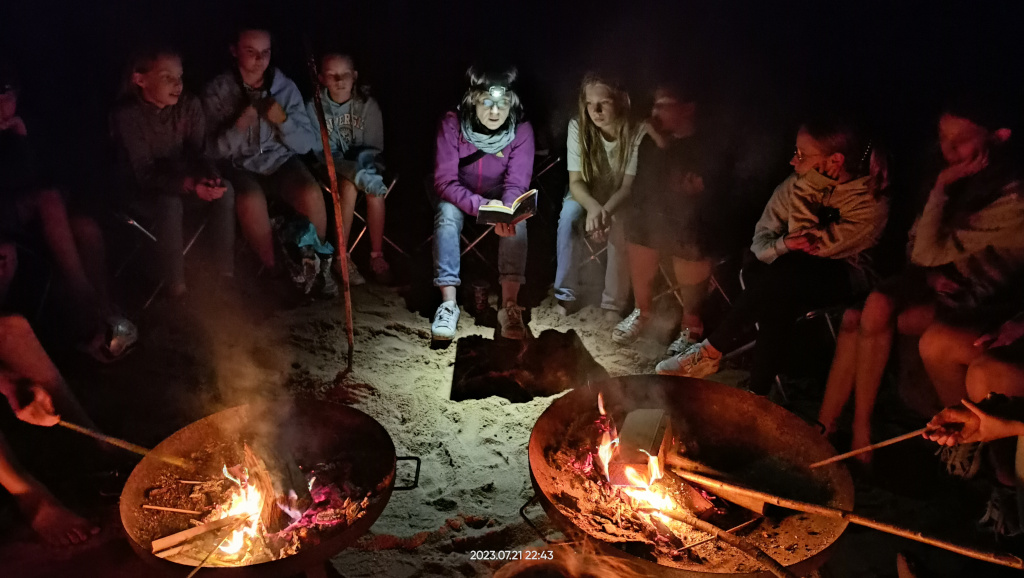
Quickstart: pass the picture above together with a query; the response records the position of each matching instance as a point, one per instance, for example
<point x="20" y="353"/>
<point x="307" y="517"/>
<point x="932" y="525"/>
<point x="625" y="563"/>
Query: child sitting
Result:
<point x="809" y="244"/>
<point x="669" y="215"/>
<point x="965" y="250"/>
<point x="484" y="156"/>
<point x="162" y="132"/>
<point x="356" y="134"/>
<point x="602" y="159"/>
<point x="259" y="126"/>
<point x="75" y="242"/>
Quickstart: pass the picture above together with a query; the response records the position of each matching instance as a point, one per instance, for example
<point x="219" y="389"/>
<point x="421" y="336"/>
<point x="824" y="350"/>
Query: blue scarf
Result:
<point x="489" y="143"/>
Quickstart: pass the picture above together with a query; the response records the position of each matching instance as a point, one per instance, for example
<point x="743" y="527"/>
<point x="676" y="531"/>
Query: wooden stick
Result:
<point x="726" y="488"/>
<point x="227" y="534"/>
<point x="163" y="509"/>
<point x="332" y="177"/>
<point x="869" y="448"/>
<point x="742" y="526"/>
<point x="186" y="535"/>
<point x="737" y="542"/>
<point x="120" y="443"/>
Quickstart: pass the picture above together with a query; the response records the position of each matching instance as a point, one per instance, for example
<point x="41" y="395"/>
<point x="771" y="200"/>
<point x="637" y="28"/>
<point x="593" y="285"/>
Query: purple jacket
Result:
<point x="502" y="177"/>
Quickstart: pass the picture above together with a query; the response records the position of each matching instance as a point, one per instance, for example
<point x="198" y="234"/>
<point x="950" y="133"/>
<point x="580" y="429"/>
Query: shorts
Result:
<point x="292" y="174"/>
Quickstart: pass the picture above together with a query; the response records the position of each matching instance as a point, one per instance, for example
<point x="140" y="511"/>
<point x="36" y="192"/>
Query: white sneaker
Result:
<point x="628" y="330"/>
<point x="681" y="343"/>
<point x="510" y="318"/>
<point x="354" y="276"/>
<point x="693" y="362"/>
<point x="446" y="320"/>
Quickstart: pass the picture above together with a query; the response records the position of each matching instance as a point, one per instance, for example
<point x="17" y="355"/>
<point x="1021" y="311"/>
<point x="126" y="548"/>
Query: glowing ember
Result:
<point x="244" y="500"/>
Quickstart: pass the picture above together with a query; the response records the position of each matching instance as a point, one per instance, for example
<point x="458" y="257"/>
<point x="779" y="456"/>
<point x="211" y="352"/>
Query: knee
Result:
<point x="14" y="327"/>
<point x="49" y="201"/>
<point x="935" y="342"/>
<point x="851" y="321"/>
<point x="170" y="207"/>
<point x="248" y="201"/>
<point x="876" y="316"/>
<point x="85" y="228"/>
<point x="988" y="374"/>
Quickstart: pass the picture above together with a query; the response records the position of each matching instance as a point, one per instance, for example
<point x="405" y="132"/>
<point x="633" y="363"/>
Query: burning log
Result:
<point x="279" y="479"/>
<point x="186" y="535"/>
<point x="646" y="433"/>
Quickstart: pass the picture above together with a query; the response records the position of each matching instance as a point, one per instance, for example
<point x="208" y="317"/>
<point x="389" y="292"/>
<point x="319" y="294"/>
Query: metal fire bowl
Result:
<point x="733" y="428"/>
<point x="316" y="432"/>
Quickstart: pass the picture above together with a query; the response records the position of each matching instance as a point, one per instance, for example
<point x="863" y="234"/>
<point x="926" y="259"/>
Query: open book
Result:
<point x="522" y="208"/>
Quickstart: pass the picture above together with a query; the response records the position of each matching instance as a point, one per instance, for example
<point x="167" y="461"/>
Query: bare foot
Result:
<point x="861" y="438"/>
<point x="52" y="521"/>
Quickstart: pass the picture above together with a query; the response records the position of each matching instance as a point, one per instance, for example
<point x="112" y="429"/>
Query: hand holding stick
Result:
<point x="869" y="448"/>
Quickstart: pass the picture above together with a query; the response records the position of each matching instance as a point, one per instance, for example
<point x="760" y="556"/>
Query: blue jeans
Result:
<point x="448" y="253"/>
<point x="572" y="252"/>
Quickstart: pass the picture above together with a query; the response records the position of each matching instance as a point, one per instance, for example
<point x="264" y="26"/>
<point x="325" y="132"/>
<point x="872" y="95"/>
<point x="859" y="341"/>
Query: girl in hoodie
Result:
<point x="811" y="240"/>
<point x="259" y="126"/>
<point x="601" y="157"/>
<point x="356" y="134"/>
<point x="484" y="156"/>
<point x="966" y="248"/>
<point x="162" y="132"/>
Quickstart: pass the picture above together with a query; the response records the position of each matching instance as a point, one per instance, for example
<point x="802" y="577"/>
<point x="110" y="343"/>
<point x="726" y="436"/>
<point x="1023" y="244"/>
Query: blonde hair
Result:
<point x="565" y="563"/>
<point x="594" y="163"/>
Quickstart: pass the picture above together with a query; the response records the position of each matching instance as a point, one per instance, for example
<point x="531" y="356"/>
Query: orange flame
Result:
<point x="245" y="500"/>
<point x="642" y="492"/>
<point x="600" y="404"/>
<point x="605" y="451"/>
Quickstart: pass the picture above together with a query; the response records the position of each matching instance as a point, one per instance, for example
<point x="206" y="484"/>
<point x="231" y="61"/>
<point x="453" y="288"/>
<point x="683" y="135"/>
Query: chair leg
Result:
<point x="715" y="286"/>
<point x="188" y="247"/>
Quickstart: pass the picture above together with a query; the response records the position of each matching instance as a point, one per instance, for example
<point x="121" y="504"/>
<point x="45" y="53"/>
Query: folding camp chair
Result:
<point x="134" y="224"/>
<point x="362" y="220"/>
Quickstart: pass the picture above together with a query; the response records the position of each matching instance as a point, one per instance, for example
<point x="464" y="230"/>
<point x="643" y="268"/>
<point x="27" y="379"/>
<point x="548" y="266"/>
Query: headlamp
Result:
<point x="496" y="96"/>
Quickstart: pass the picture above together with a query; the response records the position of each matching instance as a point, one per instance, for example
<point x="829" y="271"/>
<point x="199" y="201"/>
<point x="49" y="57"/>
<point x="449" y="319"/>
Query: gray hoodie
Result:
<point x="859" y="217"/>
<point x="264" y="147"/>
<point x="352" y="126"/>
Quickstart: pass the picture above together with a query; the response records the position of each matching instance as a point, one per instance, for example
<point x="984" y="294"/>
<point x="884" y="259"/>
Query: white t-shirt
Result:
<point x="573" y="149"/>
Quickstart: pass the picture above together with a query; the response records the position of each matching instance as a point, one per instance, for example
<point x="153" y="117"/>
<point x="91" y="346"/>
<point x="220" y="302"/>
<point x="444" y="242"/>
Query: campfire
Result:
<point x="253" y="518"/>
<point x="603" y="460"/>
<point x="260" y="488"/>
<point x="622" y="492"/>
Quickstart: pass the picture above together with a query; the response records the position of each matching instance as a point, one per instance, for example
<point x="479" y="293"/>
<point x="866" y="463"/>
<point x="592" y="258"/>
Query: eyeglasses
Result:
<point x="501" y="103"/>
<point x="800" y="156"/>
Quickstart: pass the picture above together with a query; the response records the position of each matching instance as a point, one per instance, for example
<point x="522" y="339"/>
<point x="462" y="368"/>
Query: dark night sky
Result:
<point x="768" y="60"/>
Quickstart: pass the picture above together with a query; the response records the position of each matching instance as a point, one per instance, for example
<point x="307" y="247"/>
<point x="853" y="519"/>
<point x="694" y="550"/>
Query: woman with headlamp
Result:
<point x="484" y="156"/>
